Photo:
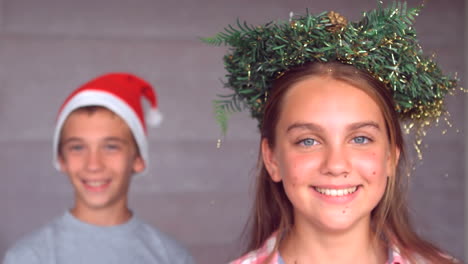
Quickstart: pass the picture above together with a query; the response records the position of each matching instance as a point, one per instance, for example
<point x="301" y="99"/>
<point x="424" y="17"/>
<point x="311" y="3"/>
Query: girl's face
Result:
<point x="332" y="154"/>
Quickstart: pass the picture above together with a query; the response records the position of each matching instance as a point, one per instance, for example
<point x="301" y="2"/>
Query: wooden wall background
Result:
<point x="199" y="194"/>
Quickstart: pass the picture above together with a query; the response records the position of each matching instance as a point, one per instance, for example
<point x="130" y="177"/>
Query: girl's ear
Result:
<point x="392" y="162"/>
<point x="270" y="161"/>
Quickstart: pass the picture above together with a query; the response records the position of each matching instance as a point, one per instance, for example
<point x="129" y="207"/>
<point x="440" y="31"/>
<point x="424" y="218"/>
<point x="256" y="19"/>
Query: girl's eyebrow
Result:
<point x="318" y="128"/>
<point x="304" y="126"/>
<point x="358" y="125"/>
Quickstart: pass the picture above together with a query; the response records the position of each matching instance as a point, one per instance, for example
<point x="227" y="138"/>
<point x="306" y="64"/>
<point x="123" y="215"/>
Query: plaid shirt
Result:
<point x="258" y="256"/>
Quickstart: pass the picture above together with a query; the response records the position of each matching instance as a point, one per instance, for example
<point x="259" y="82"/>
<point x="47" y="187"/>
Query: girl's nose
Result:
<point x="336" y="161"/>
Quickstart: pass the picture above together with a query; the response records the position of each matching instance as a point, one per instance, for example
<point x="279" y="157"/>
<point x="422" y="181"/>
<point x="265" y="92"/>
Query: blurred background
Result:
<point x="195" y="192"/>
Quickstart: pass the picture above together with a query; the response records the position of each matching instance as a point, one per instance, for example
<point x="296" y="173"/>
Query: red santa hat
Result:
<point x="121" y="93"/>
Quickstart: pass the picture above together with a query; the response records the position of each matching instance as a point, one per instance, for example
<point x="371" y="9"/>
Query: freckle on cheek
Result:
<point x="373" y="173"/>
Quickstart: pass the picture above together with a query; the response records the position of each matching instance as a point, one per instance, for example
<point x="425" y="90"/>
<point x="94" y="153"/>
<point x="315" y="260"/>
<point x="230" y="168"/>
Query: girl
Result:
<point x="329" y="96"/>
<point x="330" y="187"/>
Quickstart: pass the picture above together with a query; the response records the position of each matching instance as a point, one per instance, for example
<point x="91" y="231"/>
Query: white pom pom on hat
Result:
<point x="154" y="117"/>
<point x="121" y="93"/>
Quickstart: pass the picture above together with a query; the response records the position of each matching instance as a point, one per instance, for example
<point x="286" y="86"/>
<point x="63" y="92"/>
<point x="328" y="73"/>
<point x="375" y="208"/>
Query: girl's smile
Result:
<point x="336" y="194"/>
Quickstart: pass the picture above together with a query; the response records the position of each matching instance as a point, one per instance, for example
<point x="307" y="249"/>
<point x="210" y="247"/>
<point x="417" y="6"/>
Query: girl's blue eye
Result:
<point x="308" y="142"/>
<point x="361" y="140"/>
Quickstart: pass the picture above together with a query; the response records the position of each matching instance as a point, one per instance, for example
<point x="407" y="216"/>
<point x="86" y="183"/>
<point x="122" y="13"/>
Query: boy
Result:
<point x="100" y="142"/>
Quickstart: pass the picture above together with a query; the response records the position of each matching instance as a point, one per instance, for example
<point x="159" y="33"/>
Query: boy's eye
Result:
<point x="308" y="142"/>
<point x="361" y="140"/>
<point x="76" y="148"/>
<point x="112" y="147"/>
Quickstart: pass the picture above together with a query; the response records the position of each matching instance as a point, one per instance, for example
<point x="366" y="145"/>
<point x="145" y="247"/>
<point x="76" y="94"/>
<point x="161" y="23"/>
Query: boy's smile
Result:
<point x="96" y="186"/>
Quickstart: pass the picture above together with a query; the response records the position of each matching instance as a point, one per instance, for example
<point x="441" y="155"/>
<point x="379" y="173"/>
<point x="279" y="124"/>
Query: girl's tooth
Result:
<point x="335" y="192"/>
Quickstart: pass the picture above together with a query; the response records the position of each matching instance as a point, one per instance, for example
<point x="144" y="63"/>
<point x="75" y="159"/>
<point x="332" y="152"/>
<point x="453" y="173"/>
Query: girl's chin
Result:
<point x="334" y="221"/>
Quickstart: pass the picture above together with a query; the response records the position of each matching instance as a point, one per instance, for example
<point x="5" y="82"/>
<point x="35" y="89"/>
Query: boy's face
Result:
<point x="99" y="155"/>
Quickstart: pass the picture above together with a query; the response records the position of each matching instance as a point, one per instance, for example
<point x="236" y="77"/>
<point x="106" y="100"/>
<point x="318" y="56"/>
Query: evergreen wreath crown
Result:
<point x="382" y="43"/>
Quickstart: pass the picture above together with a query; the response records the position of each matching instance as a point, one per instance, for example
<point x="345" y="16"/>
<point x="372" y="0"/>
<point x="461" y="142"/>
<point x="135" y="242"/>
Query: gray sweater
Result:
<point x="67" y="240"/>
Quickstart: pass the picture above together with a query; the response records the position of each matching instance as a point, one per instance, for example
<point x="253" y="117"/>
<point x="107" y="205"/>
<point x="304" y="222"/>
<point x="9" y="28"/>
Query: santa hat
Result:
<point x="121" y="93"/>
